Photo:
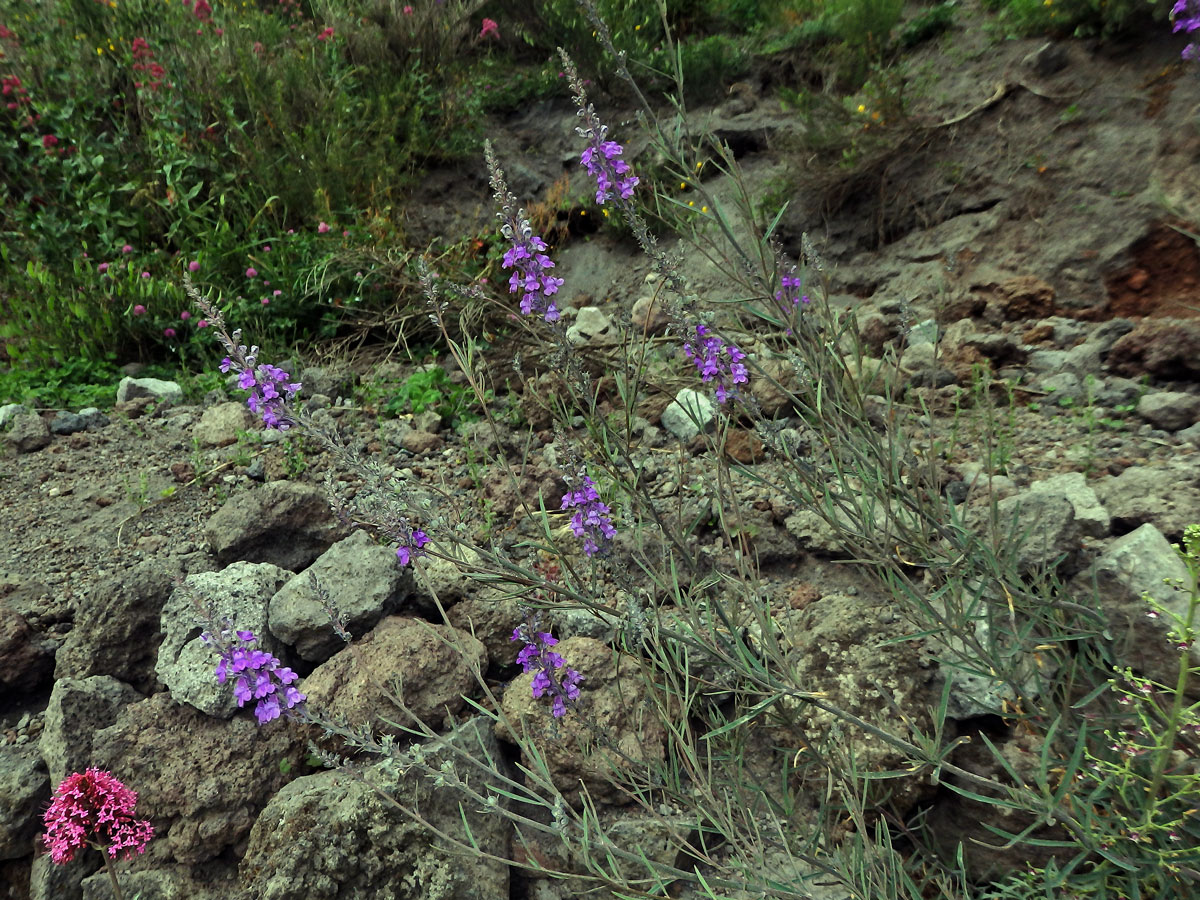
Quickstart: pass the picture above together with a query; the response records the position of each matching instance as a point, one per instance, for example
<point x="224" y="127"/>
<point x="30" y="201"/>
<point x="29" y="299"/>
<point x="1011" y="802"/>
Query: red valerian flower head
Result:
<point x="94" y="807"/>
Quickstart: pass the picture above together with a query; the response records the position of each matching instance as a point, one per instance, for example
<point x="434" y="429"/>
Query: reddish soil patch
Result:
<point x="1162" y="281"/>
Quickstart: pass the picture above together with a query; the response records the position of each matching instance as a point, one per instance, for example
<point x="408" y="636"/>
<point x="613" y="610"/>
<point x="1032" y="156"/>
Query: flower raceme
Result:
<point x="601" y="158"/>
<point x="526" y="257"/>
<point x="94" y="808"/>
<point x="536" y="656"/>
<point x="259" y="676"/>
<point x="264" y="382"/>
<point x="717" y="361"/>
<point x="591" y="519"/>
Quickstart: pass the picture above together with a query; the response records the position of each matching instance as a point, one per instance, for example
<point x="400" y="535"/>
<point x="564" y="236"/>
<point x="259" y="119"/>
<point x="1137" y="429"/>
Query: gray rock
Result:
<point x="332" y="382"/>
<point x="67" y="423"/>
<point x="26" y="658"/>
<point x="365" y="583"/>
<point x="1046" y="526"/>
<point x="9" y="410"/>
<point x="219" y="426"/>
<point x="204" y="780"/>
<point x="1170" y="410"/>
<point x="1139" y="563"/>
<point x="328" y="836"/>
<point x="688" y="414"/>
<point x="94" y="417"/>
<point x="116" y="630"/>
<point x="284" y="523"/>
<point x="28" y="432"/>
<point x="1092" y="518"/>
<point x="590" y="323"/>
<point x="48" y="881"/>
<point x="1062" y="386"/>
<point x="1167" y="497"/>
<point x="154" y="388"/>
<point x="257" y="470"/>
<point x="80" y="707"/>
<point x="24" y="793"/>
<point x="240" y="594"/>
<point x="648" y="315"/>
<point x="177" y="883"/>
<point x="429" y="421"/>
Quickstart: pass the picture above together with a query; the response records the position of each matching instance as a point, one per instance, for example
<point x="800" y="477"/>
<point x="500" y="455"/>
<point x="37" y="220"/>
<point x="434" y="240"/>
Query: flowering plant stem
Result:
<point x="112" y="874"/>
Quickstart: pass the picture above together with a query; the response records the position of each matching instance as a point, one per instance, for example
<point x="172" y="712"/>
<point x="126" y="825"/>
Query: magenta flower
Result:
<point x="408" y="10"/>
<point x="323" y="228"/>
<point x="203" y="323"/>
<point x="168" y="332"/>
<point x="326" y="35"/>
<point x="194" y="265"/>
<point x="490" y="28"/>
<point x="102" y="268"/>
<point x="251" y="272"/>
<point x="202" y="10"/>
<point x="185" y="315"/>
<point x="94" y="808"/>
<point x="139" y="310"/>
<point x="128" y="248"/>
<point x="49" y="141"/>
<point x="145" y="274"/>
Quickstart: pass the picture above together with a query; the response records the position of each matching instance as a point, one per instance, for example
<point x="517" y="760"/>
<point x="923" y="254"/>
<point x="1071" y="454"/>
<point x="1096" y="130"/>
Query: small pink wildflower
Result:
<point x="202" y="10"/>
<point x="326" y="35"/>
<point x="323" y="228"/>
<point x="408" y="10"/>
<point x="194" y="265"/>
<point x="490" y="27"/>
<point x="266" y="301"/>
<point x="49" y="141"/>
<point x="102" y="268"/>
<point x="203" y="323"/>
<point x="168" y="332"/>
<point x="276" y="292"/>
<point x="257" y="48"/>
<point x="139" y="310"/>
<point x="267" y="248"/>
<point x="252" y="272"/>
<point x="145" y="274"/>
<point x="93" y="807"/>
<point x="185" y="315"/>
<point x="128" y="248"/>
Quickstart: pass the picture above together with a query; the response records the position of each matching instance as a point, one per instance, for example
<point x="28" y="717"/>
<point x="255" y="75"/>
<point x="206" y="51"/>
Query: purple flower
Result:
<point x="406" y="552"/>
<point x="194" y="265"/>
<point x="717" y="361"/>
<point x="168" y="332"/>
<point x="530" y="278"/>
<point x="536" y="656"/>
<point x="252" y="272"/>
<point x="591" y="520"/>
<point x="259" y="676"/>
<point x="102" y="268"/>
<point x="601" y="158"/>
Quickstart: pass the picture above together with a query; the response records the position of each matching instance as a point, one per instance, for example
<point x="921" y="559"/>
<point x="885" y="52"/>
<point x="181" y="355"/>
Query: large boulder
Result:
<point x="330" y="835"/>
<point x="26" y="658"/>
<point x="284" y="523"/>
<point x="237" y="598"/>
<point x="364" y="582"/>
<point x="431" y="666"/>
<point x="24" y="793"/>
<point x="80" y="707"/>
<point x="202" y="781"/>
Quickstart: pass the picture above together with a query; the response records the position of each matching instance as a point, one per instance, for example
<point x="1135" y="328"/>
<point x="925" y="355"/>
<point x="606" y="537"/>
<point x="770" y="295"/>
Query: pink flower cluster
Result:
<point x="93" y="807"/>
<point x="143" y="61"/>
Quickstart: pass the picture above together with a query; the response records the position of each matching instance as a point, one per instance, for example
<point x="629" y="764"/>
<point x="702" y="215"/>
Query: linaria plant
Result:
<point x="762" y="783"/>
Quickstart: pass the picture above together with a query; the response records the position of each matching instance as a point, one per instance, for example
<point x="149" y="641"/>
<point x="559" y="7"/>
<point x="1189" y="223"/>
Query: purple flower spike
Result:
<point x="591" y="520"/>
<point x="601" y="158"/>
<point x="717" y="361"/>
<point x="260" y="676"/>
<point x="406" y="552"/>
<point x="536" y="656"/>
<point x="530" y="265"/>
